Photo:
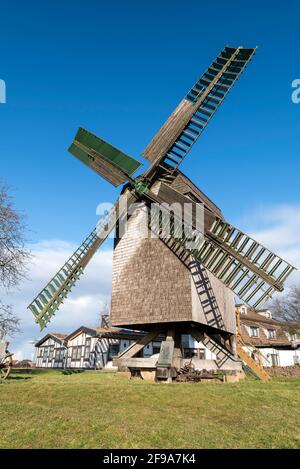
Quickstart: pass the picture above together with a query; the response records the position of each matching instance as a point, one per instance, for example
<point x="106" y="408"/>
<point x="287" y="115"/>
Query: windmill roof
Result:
<point x="183" y="184"/>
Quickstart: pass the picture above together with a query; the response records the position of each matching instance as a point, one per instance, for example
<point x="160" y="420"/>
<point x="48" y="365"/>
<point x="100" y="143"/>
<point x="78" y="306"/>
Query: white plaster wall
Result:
<point x="285" y="357"/>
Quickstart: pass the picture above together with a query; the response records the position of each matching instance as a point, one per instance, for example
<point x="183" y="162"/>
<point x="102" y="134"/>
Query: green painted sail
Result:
<point x="103" y="158"/>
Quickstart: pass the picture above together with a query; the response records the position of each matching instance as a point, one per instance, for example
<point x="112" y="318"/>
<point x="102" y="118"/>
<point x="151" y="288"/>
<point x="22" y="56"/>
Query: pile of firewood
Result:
<point x="188" y="373"/>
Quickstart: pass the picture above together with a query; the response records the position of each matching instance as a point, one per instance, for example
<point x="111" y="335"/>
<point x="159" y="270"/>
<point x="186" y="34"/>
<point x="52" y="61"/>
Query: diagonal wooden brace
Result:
<point x="137" y="346"/>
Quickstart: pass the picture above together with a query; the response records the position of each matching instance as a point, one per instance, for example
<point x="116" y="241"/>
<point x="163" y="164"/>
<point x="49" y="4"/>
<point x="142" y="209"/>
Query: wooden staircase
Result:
<point x="257" y="369"/>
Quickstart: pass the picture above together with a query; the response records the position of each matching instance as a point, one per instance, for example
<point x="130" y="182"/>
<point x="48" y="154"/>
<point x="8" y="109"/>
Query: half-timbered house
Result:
<point x="267" y="340"/>
<point x="51" y="351"/>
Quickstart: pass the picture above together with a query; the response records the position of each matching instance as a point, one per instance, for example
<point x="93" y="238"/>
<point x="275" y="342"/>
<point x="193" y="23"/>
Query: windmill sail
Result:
<point x="249" y="269"/>
<point x="55" y="292"/>
<point x="174" y="140"/>
<point x="106" y="160"/>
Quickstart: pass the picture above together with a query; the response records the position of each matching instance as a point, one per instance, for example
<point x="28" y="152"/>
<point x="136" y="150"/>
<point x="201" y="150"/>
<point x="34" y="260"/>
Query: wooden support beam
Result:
<point x="134" y="348"/>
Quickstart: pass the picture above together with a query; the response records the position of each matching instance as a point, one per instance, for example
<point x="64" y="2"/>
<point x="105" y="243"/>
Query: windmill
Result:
<point x="166" y="285"/>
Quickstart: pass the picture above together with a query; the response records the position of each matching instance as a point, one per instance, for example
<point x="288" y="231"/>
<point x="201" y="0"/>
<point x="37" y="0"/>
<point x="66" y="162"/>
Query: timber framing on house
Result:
<point x="269" y="341"/>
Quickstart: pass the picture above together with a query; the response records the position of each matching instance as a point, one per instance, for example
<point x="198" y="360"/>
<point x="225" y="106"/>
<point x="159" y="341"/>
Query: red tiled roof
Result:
<point x="59" y="335"/>
<point x="262" y="323"/>
<point x="107" y="329"/>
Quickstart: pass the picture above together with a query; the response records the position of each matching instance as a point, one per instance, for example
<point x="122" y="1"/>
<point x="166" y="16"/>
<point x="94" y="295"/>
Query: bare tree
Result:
<point x="9" y="323"/>
<point x="13" y="257"/>
<point x="287" y="307"/>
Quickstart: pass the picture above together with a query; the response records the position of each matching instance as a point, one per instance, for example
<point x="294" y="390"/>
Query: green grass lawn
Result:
<point x="106" y="410"/>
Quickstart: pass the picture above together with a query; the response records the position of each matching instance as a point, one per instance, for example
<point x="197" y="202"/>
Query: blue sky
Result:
<point x="119" y="68"/>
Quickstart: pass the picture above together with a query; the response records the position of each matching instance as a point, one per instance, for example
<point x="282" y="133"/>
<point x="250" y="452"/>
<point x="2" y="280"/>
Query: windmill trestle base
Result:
<point x="168" y="364"/>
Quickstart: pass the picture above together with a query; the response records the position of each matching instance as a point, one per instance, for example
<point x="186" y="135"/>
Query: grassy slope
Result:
<point x="98" y="410"/>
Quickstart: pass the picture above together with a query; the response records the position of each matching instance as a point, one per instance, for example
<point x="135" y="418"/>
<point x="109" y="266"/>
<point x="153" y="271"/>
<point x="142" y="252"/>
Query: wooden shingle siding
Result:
<point x="151" y="285"/>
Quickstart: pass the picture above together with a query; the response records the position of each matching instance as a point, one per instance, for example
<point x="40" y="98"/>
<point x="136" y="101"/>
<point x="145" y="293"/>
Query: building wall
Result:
<point x="86" y="351"/>
<point x="149" y="284"/>
<point x="285" y="357"/>
<point x="76" y="356"/>
<point x="50" y="354"/>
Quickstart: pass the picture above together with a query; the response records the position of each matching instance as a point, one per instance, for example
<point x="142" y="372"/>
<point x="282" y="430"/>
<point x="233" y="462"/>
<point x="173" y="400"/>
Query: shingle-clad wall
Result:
<point x="151" y="285"/>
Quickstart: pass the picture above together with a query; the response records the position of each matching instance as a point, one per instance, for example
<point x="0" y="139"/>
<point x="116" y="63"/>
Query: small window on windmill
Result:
<point x="243" y="310"/>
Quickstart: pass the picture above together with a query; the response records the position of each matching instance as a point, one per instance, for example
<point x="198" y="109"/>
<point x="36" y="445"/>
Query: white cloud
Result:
<point x="83" y="305"/>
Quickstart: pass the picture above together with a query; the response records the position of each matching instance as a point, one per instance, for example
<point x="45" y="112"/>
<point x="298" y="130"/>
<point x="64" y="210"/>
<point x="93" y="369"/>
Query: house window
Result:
<point x="87" y="349"/>
<point x="51" y="352"/>
<point x="194" y="353"/>
<point x="271" y="333"/>
<point x="292" y="336"/>
<point x="59" y="354"/>
<point x="254" y="332"/>
<point x="274" y="359"/>
<point x="113" y="351"/>
<point x="243" y="310"/>
<point x="76" y="352"/>
<point x="45" y="354"/>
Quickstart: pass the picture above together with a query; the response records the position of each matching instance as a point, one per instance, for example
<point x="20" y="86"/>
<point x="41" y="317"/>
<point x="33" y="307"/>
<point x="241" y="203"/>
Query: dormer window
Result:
<point x="265" y="312"/>
<point x="254" y="331"/>
<point x="271" y="333"/>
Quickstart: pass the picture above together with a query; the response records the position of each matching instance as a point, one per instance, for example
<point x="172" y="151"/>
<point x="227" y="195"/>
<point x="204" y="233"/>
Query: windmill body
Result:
<point x="152" y="285"/>
<point x="184" y="278"/>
